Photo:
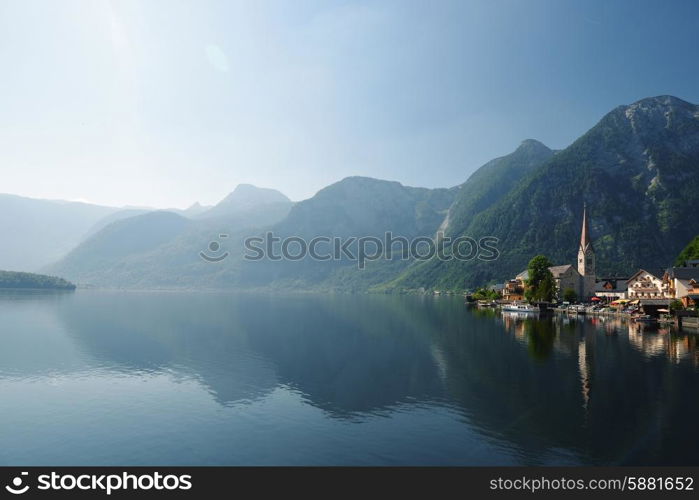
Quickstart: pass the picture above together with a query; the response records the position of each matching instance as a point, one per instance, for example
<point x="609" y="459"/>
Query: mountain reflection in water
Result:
<point x="206" y="378"/>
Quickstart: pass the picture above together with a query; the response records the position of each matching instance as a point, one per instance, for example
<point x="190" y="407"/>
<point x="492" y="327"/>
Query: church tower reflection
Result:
<point x="586" y="349"/>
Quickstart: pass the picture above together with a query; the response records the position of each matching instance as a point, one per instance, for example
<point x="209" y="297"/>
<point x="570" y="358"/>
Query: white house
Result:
<point x="647" y="284"/>
<point x="611" y="288"/>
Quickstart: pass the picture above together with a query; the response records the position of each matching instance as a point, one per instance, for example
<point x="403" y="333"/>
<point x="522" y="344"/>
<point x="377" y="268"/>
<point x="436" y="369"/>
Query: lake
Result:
<point x="158" y="378"/>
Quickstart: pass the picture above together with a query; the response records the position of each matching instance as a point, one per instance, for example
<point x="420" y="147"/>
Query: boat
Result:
<point x="486" y="303"/>
<point x="579" y="309"/>
<point x="525" y="308"/>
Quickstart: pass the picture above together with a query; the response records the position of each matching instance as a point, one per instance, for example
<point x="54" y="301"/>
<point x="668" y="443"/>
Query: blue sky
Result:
<point x="164" y="103"/>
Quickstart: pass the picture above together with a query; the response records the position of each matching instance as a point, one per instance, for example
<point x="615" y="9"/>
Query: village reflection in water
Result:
<point x="566" y="334"/>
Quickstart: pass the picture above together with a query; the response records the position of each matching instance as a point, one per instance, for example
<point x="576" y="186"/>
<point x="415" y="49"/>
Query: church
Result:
<point x="581" y="279"/>
<point x="586" y="262"/>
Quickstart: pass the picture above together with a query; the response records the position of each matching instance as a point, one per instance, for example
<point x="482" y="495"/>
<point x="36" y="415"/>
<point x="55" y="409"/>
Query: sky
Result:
<point x="164" y="103"/>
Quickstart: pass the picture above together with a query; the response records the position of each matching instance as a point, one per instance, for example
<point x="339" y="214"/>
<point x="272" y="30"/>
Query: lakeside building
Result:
<point x="514" y="288"/>
<point x="566" y="277"/>
<point x="647" y="284"/>
<point x="581" y="280"/>
<point x="682" y="283"/>
<point x="613" y="288"/>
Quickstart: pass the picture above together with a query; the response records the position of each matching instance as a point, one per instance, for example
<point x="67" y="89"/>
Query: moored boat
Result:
<point x="577" y="309"/>
<point x="524" y="308"/>
<point x="486" y="303"/>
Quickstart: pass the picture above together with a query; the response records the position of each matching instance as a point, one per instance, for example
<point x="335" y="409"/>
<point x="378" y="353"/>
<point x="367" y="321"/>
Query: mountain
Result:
<point x="37" y="232"/>
<point x="15" y="280"/>
<point x="354" y="207"/>
<point x="363" y="206"/>
<point x="114" y="217"/>
<point x="637" y="170"/>
<point x="110" y="247"/>
<point x="247" y="198"/>
<point x="488" y="185"/>
<point x="190" y="212"/>
<point x="491" y="182"/>
<point x="162" y="248"/>
<point x="195" y="210"/>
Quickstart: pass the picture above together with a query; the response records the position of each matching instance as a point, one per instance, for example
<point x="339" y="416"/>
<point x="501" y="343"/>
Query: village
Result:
<point x="649" y="295"/>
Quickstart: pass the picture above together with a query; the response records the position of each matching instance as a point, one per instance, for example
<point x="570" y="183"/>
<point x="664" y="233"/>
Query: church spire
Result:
<point x="585" y="235"/>
<point x="586" y="259"/>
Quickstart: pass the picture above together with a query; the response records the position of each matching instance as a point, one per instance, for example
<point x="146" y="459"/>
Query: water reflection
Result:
<point x="543" y="336"/>
<point x="533" y="390"/>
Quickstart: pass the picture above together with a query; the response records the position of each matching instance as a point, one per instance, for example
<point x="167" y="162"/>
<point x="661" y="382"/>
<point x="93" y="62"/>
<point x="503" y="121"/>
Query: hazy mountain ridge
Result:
<point x="246" y="198"/>
<point x="161" y="248"/>
<point x="354" y="207"/>
<point x="363" y="206"/>
<point x="36" y="232"/>
<point x="115" y="217"/>
<point x="637" y="169"/>
<point x="121" y="240"/>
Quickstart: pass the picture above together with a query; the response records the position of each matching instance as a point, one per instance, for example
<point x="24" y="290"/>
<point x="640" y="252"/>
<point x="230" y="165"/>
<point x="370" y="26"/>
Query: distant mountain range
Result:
<point x="38" y="232"/>
<point x="637" y="170"/>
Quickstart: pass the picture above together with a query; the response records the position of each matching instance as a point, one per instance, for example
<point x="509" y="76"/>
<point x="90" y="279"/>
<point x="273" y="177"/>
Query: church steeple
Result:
<point x="586" y="259"/>
<point x="585" y="235"/>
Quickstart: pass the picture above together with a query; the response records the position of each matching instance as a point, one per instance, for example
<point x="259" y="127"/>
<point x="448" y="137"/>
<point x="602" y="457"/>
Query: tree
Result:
<point x="569" y="295"/>
<point x="484" y="293"/>
<point x="11" y="279"/>
<point x="690" y="252"/>
<point x="541" y="287"/>
<point x="676" y="305"/>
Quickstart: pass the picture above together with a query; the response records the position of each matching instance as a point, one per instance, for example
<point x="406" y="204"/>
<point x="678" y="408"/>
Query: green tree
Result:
<point x="569" y="295"/>
<point x="676" y="305"/>
<point x="484" y="293"/>
<point x="541" y="287"/>
<point x="11" y="279"/>
<point x="690" y="252"/>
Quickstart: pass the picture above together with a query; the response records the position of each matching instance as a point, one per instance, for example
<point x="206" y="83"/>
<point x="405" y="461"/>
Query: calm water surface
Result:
<point x="122" y="378"/>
